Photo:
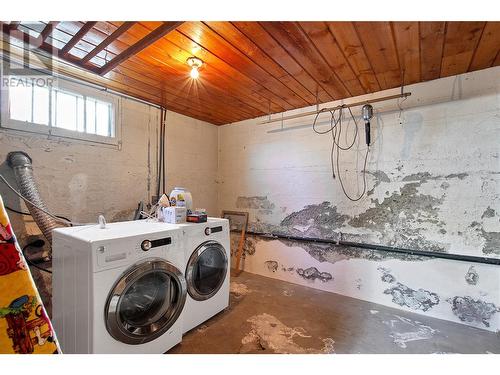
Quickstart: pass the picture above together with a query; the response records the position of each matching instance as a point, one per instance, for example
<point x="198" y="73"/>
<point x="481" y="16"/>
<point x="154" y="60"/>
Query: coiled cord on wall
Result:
<point x="336" y="132"/>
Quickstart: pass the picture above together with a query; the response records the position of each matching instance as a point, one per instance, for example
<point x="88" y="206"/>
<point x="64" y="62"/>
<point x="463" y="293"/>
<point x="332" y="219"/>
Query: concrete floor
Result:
<point x="271" y="316"/>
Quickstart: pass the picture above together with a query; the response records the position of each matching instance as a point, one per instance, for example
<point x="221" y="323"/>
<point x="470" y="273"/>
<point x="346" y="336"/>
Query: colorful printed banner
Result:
<point x="25" y="327"/>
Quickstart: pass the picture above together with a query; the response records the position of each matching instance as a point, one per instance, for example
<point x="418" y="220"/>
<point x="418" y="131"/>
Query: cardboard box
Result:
<point x="172" y="215"/>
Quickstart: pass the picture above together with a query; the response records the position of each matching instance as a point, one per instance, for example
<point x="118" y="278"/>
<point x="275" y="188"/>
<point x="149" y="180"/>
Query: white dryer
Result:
<point x="120" y="289"/>
<point x="207" y="255"/>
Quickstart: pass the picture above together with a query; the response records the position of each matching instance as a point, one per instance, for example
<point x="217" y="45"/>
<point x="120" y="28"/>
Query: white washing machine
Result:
<point x="120" y="289"/>
<point x="207" y="255"/>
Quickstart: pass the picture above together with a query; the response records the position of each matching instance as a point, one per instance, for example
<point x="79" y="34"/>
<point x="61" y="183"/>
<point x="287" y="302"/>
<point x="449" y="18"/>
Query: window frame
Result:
<point x="53" y="132"/>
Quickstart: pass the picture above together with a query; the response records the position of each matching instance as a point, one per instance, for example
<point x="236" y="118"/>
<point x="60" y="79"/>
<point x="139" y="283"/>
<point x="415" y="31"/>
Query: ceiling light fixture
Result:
<point x="195" y="64"/>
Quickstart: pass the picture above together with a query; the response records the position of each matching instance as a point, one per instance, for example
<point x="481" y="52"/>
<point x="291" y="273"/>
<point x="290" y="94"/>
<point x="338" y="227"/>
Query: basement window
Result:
<point x="66" y="110"/>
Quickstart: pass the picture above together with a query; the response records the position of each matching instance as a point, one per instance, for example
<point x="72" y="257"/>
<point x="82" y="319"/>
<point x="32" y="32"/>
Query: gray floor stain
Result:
<point x="404" y="330"/>
<point x="355" y="326"/>
<point x="238" y="289"/>
<point x="270" y="334"/>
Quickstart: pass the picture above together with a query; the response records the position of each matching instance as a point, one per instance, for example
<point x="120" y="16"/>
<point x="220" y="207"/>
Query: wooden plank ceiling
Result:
<point x="255" y="68"/>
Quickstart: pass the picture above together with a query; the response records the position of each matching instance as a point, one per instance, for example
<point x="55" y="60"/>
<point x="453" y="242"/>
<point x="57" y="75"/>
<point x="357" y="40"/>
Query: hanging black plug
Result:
<point x="367" y="112"/>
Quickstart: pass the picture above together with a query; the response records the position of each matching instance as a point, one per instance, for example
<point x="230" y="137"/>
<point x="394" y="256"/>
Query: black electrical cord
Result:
<point x="36" y="243"/>
<point x="163" y="155"/>
<point x="160" y="159"/>
<point x="28" y="214"/>
<point x="161" y="185"/>
<point x="336" y="132"/>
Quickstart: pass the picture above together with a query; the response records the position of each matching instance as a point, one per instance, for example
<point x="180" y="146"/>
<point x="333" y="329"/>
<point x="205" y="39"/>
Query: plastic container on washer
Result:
<point x="181" y="197"/>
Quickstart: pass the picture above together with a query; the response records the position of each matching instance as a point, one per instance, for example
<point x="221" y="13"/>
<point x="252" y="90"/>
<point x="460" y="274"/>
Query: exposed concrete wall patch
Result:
<point x="489" y="212"/>
<point x="271" y="265"/>
<point x="312" y="273"/>
<point x="471" y="310"/>
<point x="472" y="276"/>
<point x="403" y="295"/>
<point x="258" y="202"/>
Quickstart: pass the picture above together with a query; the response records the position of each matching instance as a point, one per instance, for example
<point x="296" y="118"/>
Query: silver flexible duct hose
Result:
<point x="20" y="162"/>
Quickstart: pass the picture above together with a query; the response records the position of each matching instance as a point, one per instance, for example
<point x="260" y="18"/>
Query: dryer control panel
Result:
<point x="147" y="245"/>
<point x="210" y="230"/>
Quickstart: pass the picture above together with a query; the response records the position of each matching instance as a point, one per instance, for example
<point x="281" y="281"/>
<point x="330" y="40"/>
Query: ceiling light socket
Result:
<point x="194" y="62"/>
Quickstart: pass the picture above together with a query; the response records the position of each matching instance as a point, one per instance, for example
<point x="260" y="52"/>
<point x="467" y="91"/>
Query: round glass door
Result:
<point x="145" y="302"/>
<point x="206" y="270"/>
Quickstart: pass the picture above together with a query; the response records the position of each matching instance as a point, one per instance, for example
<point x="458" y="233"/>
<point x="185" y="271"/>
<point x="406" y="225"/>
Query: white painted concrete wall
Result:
<point x="434" y="182"/>
<point x="192" y="159"/>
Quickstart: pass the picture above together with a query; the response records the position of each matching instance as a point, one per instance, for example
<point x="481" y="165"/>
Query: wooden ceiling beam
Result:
<point x="14" y="25"/>
<point x="107" y="41"/>
<point x="149" y="39"/>
<point x="47" y="31"/>
<point x="77" y="37"/>
<point x="156" y="74"/>
<point x="41" y="45"/>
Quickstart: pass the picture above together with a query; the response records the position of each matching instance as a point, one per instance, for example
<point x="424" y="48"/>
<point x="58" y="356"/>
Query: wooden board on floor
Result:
<point x="238" y="221"/>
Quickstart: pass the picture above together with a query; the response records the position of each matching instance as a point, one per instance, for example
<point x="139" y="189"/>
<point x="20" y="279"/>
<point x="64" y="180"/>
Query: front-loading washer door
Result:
<point x="206" y="270"/>
<point x="145" y="301"/>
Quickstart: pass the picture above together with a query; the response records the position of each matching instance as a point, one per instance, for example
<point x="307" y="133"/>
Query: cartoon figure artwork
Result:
<point x="24" y="330"/>
<point x="25" y="327"/>
<point x="10" y="259"/>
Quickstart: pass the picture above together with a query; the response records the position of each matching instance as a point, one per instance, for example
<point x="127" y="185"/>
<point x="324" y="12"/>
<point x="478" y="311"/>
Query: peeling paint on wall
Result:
<point x="257" y="202"/>
<point x="335" y="253"/>
<point x="403" y="295"/>
<point x="414" y="299"/>
<point x="271" y="265"/>
<point x="312" y="273"/>
<point x="379" y="177"/>
<point x="315" y="220"/>
<point x="489" y="212"/>
<point x="471" y="277"/>
<point x="399" y="218"/>
<point x="471" y="310"/>
<point x="491" y="240"/>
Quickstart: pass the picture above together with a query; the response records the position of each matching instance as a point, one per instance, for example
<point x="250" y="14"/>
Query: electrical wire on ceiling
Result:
<point x="337" y="120"/>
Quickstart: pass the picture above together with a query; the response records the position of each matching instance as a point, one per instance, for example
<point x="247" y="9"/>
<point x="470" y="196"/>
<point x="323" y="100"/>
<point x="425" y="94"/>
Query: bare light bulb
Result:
<point x="194" y="72"/>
